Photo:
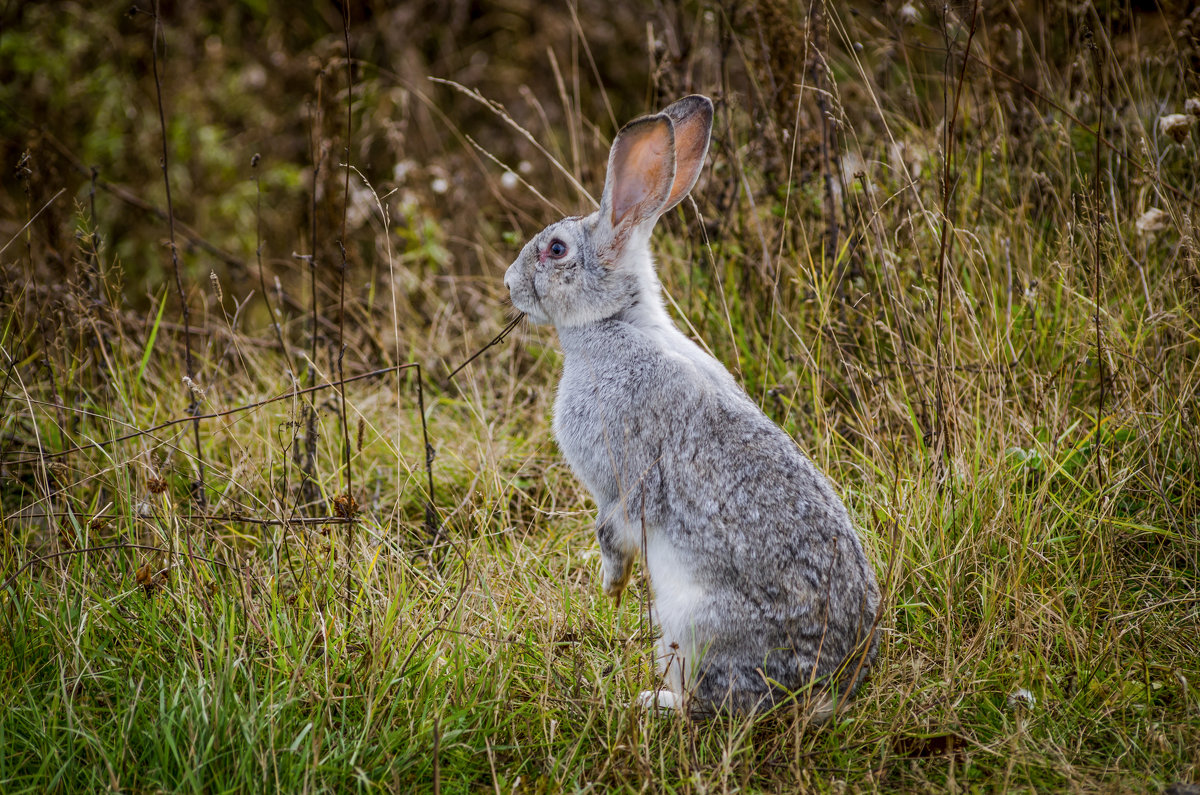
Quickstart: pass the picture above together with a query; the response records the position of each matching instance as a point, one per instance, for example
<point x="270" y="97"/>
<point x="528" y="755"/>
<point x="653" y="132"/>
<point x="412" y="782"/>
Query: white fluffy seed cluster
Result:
<point x="1177" y="126"/>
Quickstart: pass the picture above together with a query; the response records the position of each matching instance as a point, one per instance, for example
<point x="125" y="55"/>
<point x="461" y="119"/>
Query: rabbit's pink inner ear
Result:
<point x="692" y="117"/>
<point x="641" y="169"/>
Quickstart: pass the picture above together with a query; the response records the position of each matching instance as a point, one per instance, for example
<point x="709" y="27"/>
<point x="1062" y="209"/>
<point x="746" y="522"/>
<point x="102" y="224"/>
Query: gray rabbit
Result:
<point x="760" y="584"/>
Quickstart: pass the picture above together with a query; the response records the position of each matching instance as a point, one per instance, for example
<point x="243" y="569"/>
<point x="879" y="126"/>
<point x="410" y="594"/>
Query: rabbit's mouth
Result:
<point x="536" y="316"/>
<point x="530" y="305"/>
<point x="523" y="293"/>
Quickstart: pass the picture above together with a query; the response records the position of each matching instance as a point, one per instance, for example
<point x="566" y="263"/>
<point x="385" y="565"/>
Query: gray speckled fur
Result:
<point x="760" y="582"/>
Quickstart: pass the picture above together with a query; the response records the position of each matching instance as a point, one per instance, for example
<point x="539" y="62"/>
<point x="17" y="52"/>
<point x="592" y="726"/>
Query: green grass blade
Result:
<point x="162" y="305"/>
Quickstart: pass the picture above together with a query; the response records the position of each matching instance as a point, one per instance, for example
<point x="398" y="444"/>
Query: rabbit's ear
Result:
<point x="641" y="172"/>
<point x="692" y="119"/>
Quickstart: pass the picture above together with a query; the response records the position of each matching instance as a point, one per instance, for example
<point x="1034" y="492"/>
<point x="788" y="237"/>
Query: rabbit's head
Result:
<point x="584" y="269"/>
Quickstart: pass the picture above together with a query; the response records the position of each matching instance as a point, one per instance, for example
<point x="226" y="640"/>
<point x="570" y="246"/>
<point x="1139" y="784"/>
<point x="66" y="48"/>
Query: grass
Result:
<point x="1016" y="438"/>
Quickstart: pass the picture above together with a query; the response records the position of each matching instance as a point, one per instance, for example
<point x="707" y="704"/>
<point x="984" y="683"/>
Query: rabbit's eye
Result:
<point x="557" y="249"/>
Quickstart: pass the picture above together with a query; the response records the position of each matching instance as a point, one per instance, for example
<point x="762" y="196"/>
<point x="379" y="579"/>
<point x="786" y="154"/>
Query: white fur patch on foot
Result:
<point x="662" y="699"/>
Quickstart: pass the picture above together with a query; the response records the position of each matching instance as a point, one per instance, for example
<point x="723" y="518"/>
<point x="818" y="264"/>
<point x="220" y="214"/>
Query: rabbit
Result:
<point x="759" y="582"/>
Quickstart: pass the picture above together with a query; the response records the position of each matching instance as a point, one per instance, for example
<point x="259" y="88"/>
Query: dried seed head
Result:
<point x="216" y="283"/>
<point x="1192" y="106"/>
<point x="1176" y="125"/>
<point x="345" y="506"/>
<point x="157" y="485"/>
<point x="197" y="392"/>
<point x="1151" y="221"/>
<point x="150" y="577"/>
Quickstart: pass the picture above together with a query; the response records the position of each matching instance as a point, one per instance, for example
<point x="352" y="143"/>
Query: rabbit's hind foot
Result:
<point x="663" y="700"/>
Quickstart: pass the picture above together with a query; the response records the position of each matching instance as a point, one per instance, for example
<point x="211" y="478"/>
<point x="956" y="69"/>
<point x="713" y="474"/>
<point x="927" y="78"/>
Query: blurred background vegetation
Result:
<point x="271" y="79"/>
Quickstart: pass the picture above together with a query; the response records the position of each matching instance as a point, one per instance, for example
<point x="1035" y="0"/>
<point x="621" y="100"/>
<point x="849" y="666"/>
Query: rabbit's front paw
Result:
<point x="615" y="582"/>
<point x="618" y="567"/>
